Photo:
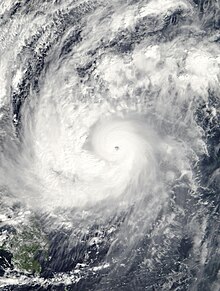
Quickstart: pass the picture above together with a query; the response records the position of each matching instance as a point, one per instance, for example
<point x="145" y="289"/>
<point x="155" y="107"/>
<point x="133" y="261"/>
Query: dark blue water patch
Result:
<point x="196" y="1"/>
<point x="205" y="5"/>
<point x="10" y="229"/>
<point x="68" y="45"/>
<point x="217" y="20"/>
<point x="85" y="250"/>
<point x="210" y="270"/>
<point x="87" y="69"/>
<point x="5" y="261"/>
<point x="174" y="18"/>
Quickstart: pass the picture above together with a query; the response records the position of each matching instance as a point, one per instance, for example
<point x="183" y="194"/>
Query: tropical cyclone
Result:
<point x="109" y="115"/>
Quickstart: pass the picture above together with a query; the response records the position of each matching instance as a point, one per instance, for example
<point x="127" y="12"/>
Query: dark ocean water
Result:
<point x="109" y="145"/>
